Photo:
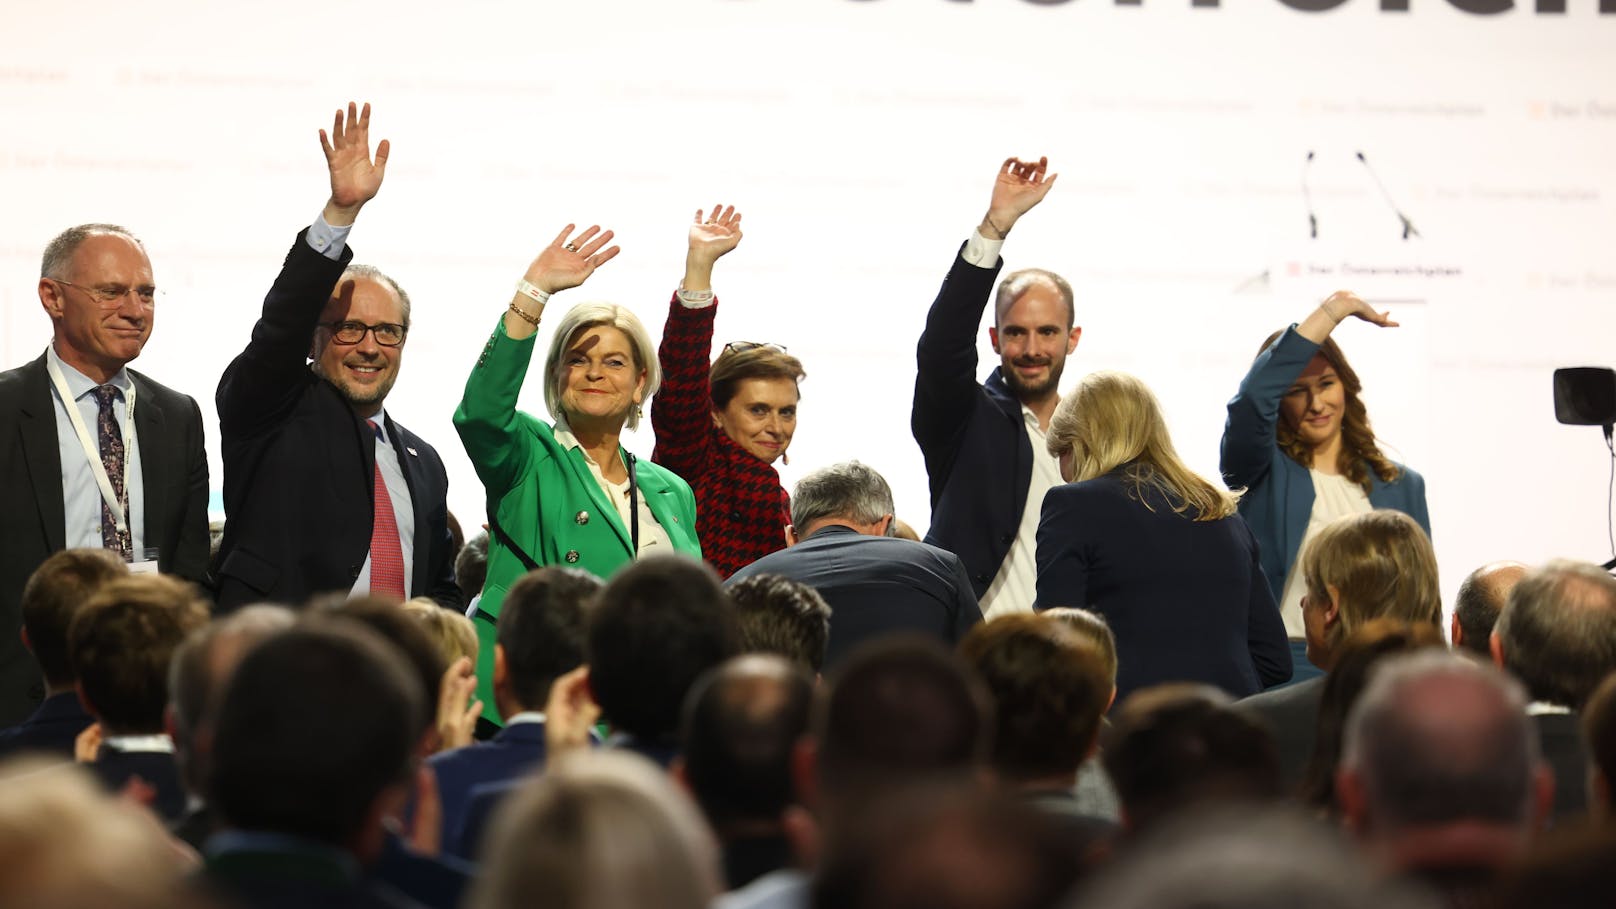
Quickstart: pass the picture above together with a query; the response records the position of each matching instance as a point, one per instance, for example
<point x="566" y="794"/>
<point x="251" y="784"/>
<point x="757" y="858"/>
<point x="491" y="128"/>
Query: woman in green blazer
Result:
<point x="566" y="494"/>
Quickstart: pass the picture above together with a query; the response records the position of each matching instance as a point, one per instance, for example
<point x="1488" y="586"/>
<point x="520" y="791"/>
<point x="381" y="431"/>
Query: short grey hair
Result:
<point x="356" y="271"/>
<point x="1558" y="631"/>
<point x="1437" y="737"/>
<point x="59" y="252"/>
<point x="847" y="490"/>
<point x="580" y="319"/>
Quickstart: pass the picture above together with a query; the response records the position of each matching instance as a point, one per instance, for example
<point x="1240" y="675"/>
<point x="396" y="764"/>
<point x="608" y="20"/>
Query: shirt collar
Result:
<point x="526" y="716"/>
<point x="380" y="419"/>
<point x="80" y="384"/>
<point x="563" y="434"/>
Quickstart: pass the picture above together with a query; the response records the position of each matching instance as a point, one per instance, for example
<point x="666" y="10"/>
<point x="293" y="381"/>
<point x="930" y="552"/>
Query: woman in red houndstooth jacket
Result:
<point x="722" y="429"/>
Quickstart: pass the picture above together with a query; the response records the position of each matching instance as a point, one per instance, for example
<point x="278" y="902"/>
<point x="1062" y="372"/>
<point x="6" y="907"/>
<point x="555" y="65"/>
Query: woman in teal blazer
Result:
<point x="566" y="494"/>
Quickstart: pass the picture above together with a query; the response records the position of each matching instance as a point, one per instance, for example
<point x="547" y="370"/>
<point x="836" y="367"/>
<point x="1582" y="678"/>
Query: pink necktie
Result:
<point x="386" y="558"/>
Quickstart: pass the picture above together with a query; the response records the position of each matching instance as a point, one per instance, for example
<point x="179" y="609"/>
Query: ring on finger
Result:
<point x="570" y="248"/>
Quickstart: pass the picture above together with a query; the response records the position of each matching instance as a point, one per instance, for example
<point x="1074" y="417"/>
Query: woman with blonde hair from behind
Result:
<point x="598" y="830"/>
<point x="1160" y="552"/>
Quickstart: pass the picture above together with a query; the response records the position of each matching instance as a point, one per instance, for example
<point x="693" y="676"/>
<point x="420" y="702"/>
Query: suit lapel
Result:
<point x="604" y="507"/>
<point x="152" y="442"/>
<point x="416" y="478"/>
<point x="37" y="426"/>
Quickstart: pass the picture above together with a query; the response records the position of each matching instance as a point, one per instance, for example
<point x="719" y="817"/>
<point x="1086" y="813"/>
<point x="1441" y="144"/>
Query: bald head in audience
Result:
<point x="1481" y="599"/>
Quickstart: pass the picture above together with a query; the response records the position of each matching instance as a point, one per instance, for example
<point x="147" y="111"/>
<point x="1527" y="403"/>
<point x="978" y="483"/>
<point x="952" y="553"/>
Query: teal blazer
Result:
<point x="544" y="496"/>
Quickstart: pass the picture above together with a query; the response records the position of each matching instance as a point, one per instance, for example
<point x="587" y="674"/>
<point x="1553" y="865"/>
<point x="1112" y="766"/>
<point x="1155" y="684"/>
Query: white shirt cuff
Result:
<point x="695" y="299"/>
<point x="326" y="240"/>
<point x="980" y="251"/>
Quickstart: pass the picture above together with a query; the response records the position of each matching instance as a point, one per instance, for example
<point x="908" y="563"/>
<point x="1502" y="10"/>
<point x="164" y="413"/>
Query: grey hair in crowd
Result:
<point x="1245" y="858"/>
<point x="1558" y="631"/>
<point x="356" y="271"/>
<point x="847" y="490"/>
<point x="585" y="316"/>
<point x="59" y="252"/>
<point x="1437" y="737"/>
<point x="598" y="830"/>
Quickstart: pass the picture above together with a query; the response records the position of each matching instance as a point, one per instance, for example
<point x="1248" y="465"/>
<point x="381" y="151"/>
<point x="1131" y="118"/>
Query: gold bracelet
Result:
<point x="525" y="316"/>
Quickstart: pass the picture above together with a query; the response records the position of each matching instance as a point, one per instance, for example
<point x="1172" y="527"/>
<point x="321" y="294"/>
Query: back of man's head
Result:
<point x="741" y="726"/>
<point x="781" y="616"/>
<point x="541" y="631"/>
<point x="202" y="664"/>
<point x="120" y="644"/>
<point x="1438" y="739"/>
<point x="314" y="727"/>
<point x="850" y="491"/>
<point x="1092" y="627"/>
<point x="408" y="638"/>
<point x="1481" y="599"/>
<point x="1178" y="746"/>
<point x="53" y="595"/>
<point x="471" y="566"/>
<point x="1049" y="691"/>
<point x="899" y="710"/>
<point x="654" y="629"/>
<point x="1557" y="633"/>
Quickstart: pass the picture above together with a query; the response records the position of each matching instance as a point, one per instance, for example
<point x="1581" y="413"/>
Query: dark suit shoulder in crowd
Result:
<point x="51" y="730"/>
<point x="1560" y="737"/>
<point x="515" y="752"/>
<point x="157" y="769"/>
<point x="279" y="873"/>
<point x="877" y="586"/>
<point x="1291" y="713"/>
<point x="434" y="882"/>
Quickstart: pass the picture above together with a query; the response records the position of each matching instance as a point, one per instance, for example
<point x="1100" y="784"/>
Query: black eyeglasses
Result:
<point x="388" y="334"/>
<point x="744" y="346"/>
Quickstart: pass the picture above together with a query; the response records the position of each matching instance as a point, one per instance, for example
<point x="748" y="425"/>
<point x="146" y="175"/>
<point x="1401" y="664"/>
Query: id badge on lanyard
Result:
<point x="92" y="450"/>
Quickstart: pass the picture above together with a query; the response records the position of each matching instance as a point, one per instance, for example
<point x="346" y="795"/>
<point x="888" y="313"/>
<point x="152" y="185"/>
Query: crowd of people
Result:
<point x="1100" y="679"/>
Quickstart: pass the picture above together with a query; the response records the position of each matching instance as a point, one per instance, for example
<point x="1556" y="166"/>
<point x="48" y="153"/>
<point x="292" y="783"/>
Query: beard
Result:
<point x="1025" y="391"/>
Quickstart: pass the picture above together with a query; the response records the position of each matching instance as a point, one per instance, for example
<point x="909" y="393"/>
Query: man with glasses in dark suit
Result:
<point x="93" y="455"/>
<point x="323" y="491"/>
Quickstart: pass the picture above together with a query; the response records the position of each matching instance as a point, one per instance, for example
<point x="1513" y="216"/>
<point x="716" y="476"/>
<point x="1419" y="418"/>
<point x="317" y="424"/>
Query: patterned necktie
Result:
<point x="111" y="441"/>
<point x="386" y="558"/>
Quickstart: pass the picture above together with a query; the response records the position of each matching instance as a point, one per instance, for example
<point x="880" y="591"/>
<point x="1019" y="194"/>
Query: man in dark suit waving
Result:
<point x="323" y="491"/>
<point x="92" y="453"/>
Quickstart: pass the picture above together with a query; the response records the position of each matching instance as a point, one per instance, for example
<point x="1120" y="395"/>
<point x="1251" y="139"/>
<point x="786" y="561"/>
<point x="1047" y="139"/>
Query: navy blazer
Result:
<point x="51" y="730"/>
<point x="157" y="768"/>
<point x="174" y="476"/>
<point x="1279" y="492"/>
<point x="876" y="586"/>
<point x="299" y="464"/>
<point x="514" y="753"/>
<point x="972" y="436"/>
<point x="1186" y="599"/>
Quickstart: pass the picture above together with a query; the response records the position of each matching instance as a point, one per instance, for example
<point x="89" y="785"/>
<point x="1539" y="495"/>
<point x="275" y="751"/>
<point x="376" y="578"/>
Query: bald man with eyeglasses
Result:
<point x="93" y="455"/>
<point x="323" y="491"/>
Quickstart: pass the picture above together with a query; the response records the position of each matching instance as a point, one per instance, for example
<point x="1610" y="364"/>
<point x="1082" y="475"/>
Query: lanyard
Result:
<point x="92" y="451"/>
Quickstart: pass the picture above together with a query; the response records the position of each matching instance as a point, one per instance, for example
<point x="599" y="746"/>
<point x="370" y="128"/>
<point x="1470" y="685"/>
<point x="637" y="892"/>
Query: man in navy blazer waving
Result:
<point x="323" y="491"/>
<point x="988" y="477"/>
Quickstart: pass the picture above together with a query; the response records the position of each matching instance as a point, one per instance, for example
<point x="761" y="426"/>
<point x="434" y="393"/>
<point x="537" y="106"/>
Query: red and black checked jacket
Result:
<point x="741" y="509"/>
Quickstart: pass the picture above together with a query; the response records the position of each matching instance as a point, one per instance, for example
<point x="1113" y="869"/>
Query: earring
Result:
<point x="785" y="459"/>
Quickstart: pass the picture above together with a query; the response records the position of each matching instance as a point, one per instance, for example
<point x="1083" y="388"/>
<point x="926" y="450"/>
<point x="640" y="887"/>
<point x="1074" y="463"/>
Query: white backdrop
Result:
<point x="859" y="139"/>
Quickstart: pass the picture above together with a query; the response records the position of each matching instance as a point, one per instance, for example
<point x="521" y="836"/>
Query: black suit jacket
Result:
<point x="877" y="586"/>
<point x="1291" y="713"/>
<point x="51" y="730"/>
<point x="174" y="477"/>
<point x="1560" y="736"/>
<point x="299" y="463"/>
<point x="973" y="437"/>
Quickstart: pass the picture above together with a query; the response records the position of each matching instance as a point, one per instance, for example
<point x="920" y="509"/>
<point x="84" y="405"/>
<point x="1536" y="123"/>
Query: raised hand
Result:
<point x="717" y="234"/>
<point x="457" y="718"/>
<point x="1344" y="304"/>
<point x="569" y="713"/>
<point x="1019" y="186"/>
<point x="569" y="262"/>
<point x="355" y="177"/>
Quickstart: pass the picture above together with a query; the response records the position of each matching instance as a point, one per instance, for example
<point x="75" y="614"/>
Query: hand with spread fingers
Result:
<point x="569" y="261"/>
<point x="1019" y="186"/>
<point x="356" y="177"/>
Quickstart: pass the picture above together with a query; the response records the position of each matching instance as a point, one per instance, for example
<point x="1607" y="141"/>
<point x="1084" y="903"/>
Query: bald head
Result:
<point x="1557" y="632"/>
<point x="741" y="724"/>
<point x="1437" y="739"/>
<point x="1481" y="599"/>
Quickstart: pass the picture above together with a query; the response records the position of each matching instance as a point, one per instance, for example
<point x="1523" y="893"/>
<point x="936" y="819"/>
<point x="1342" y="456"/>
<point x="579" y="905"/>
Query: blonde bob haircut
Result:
<point x="580" y="319"/>
<point x="1111" y="420"/>
<point x="1382" y="566"/>
<point x="598" y="830"/>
